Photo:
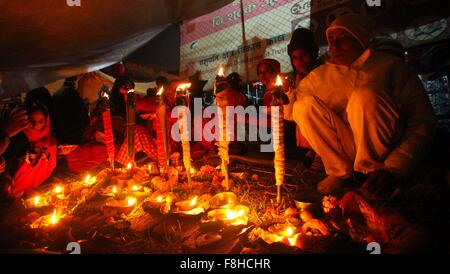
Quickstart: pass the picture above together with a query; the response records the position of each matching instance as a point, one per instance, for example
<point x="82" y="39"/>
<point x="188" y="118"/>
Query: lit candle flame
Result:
<point x="184" y="86"/>
<point x="58" y="189"/>
<point x="160" y="92"/>
<point x="169" y="200"/>
<point x="131" y="201"/>
<point x="233" y="214"/>
<point x="54" y="218"/>
<point x="159" y="199"/>
<point x="194" y="201"/>
<point x="221" y="72"/>
<point x="135" y="188"/>
<point x="293" y="240"/>
<point x="279" y="81"/>
<point x="105" y="95"/>
<point x="114" y="189"/>
<point x="88" y="179"/>
<point x="131" y="91"/>
<point x="193" y="170"/>
<point x="289" y="231"/>
<point x="129" y="166"/>
<point x="36" y="200"/>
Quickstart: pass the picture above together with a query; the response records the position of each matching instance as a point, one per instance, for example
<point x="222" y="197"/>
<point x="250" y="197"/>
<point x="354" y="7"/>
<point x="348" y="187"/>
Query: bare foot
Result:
<point x="329" y="185"/>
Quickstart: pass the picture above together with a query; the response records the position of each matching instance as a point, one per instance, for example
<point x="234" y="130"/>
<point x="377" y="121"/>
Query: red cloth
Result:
<point x="38" y="169"/>
<point x="87" y="157"/>
<point x="143" y="142"/>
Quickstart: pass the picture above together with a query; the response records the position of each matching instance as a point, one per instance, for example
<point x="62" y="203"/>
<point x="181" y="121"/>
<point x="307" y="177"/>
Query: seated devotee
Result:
<point x="268" y="70"/>
<point x="364" y="112"/>
<point x="31" y="156"/>
<point x="231" y="95"/>
<point x="44" y="97"/>
<point x="10" y="125"/>
<point x="71" y="114"/>
<point x="303" y="52"/>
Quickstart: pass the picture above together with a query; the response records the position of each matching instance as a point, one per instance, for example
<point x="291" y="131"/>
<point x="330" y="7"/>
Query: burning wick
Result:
<point x="194" y="201"/>
<point x="160" y="92"/>
<point x="90" y="180"/>
<point x="36" y="200"/>
<point x="289" y="231"/>
<point x="58" y="190"/>
<point x="221" y="72"/>
<point x="233" y="214"/>
<point x="135" y="188"/>
<point x="279" y="81"/>
<point x="184" y="86"/>
<point x="54" y="218"/>
<point x="129" y="166"/>
<point x="114" y="189"/>
<point x="131" y="201"/>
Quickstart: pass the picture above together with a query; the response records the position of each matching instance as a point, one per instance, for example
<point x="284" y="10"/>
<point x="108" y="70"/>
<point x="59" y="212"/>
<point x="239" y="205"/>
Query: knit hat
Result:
<point x="357" y="25"/>
<point x="274" y="64"/>
<point x="303" y="39"/>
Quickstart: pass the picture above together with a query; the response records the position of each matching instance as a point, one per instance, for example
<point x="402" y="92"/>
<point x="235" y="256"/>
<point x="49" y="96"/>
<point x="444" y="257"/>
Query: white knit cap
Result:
<point x="357" y="25"/>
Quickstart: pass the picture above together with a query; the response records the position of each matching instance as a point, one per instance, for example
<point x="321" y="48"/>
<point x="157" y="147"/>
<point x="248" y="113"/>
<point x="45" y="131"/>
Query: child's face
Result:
<point x="37" y="120"/>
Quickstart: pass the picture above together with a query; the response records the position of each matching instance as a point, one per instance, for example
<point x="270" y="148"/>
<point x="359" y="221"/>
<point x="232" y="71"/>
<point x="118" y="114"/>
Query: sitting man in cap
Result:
<point x="364" y="112"/>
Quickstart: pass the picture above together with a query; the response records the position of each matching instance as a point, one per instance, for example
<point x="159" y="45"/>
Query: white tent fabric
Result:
<point x="47" y="40"/>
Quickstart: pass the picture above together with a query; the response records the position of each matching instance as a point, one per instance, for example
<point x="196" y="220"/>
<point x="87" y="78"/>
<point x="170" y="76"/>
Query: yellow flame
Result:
<point x="233" y="214"/>
<point x="160" y="199"/>
<point x="193" y="170"/>
<point x="169" y="200"/>
<point x="193" y="201"/>
<point x="36" y="200"/>
<point x="221" y="72"/>
<point x="131" y="201"/>
<point x="88" y="179"/>
<point x="289" y="231"/>
<point x="131" y="90"/>
<point x="129" y="166"/>
<point x="54" y="218"/>
<point x="58" y="189"/>
<point x="279" y="81"/>
<point x="160" y="92"/>
<point x="293" y="240"/>
<point x="184" y="86"/>
<point x="114" y="189"/>
<point x="135" y="188"/>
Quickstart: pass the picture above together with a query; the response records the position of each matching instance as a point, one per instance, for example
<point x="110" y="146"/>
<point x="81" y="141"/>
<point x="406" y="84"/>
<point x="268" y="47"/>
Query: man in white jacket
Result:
<point x="363" y="112"/>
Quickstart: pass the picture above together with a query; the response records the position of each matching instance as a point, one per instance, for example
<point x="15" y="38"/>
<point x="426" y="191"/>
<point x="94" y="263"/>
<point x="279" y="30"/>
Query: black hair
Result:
<point x="34" y="106"/>
<point x="234" y="80"/>
<point x="117" y="100"/>
<point x="40" y="96"/>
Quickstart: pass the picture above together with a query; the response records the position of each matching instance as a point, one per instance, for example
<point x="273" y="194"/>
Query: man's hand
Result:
<point x="15" y="122"/>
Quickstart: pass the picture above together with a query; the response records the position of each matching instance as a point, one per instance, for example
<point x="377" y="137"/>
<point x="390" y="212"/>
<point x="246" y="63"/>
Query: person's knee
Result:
<point x="303" y="109"/>
<point x="365" y="99"/>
